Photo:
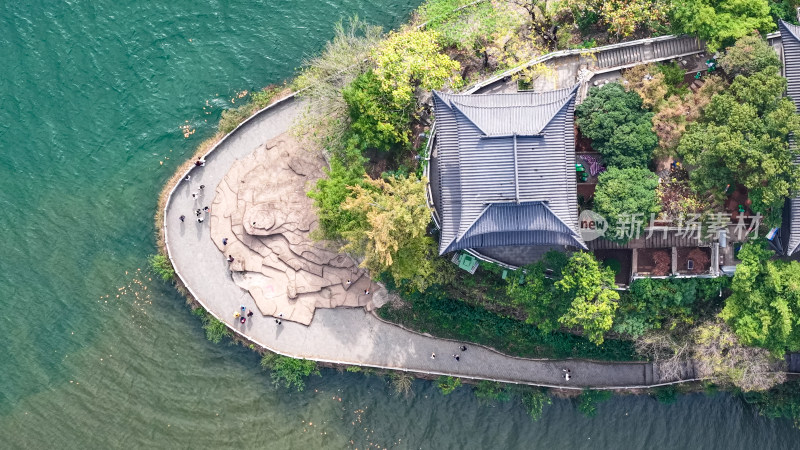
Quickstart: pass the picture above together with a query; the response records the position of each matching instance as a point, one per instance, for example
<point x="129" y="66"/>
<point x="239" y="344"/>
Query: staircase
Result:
<point x="619" y="57"/>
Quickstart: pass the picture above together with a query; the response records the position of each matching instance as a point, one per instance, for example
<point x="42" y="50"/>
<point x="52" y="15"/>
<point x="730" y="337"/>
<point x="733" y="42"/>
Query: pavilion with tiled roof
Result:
<point x="502" y="173"/>
<point x="790" y="40"/>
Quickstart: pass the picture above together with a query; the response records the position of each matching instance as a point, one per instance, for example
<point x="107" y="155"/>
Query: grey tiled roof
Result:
<point x="506" y="169"/>
<point x="790" y="39"/>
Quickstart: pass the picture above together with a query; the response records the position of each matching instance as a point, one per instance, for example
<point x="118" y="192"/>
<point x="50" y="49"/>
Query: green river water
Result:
<point x="95" y="354"/>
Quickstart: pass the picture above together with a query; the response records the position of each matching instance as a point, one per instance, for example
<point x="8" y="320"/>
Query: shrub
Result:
<point x="666" y="394"/>
<point x="162" y="266"/>
<point x="215" y="329"/>
<point x="231" y="118"/>
<point x="401" y="382"/>
<point x="289" y="371"/>
<point x="782" y="401"/>
<point x="750" y="54"/>
<point x="618" y="125"/>
<point x="491" y="390"/>
<point x="666" y="303"/>
<point x="589" y="399"/>
<point x="447" y="384"/>
<point x="534" y="400"/>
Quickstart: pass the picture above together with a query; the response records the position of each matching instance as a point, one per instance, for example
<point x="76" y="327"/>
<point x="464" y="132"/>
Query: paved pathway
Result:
<point x="349" y="336"/>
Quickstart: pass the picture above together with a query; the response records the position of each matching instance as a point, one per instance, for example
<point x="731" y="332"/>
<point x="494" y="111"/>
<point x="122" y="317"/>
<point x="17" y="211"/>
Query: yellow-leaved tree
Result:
<point x="394" y="238"/>
<point x="409" y="59"/>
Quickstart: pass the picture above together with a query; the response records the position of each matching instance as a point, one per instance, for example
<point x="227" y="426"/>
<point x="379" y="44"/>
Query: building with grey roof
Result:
<point x="502" y="174"/>
<point x="790" y="40"/>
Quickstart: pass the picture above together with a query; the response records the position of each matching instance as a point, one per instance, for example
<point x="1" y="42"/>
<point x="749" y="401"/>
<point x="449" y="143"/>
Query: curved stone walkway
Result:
<point x="347" y="336"/>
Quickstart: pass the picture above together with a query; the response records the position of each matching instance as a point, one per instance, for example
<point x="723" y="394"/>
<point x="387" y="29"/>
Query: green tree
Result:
<point x="619" y="127"/>
<point x="720" y="22"/>
<point x="391" y="232"/>
<point x="743" y="138"/>
<point x="330" y="192"/>
<point x="375" y="118"/>
<point x="621" y="194"/>
<point x="595" y="300"/>
<point x="290" y="372"/>
<point x="537" y="294"/>
<point x="750" y="54"/>
<point x="764" y="306"/>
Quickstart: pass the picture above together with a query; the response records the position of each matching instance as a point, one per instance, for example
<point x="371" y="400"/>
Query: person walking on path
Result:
<point x="457" y="357"/>
<point x="182" y="217"/>
<point x="463" y="348"/>
<point x="242" y="320"/>
<point x="199" y="220"/>
<point x="249" y="313"/>
<point x="433" y="355"/>
<point x="205" y="208"/>
<point x="224" y="241"/>
<point x="200" y="163"/>
<point x="202" y="186"/>
<point x="279" y="320"/>
<point x="366" y="291"/>
<point x="236" y="315"/>
<point x="188" y="177"/>
<point x="243" y="309"/>
<point x="230" y="258"/>
<point x="194" y="195"/>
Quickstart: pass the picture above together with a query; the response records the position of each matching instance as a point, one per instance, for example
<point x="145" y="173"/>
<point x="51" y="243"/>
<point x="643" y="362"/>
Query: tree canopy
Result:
<point x="537" y="294"/>
<point x="720" y="22"/>
<point x="623" y="196"/>
<point x="392" y="233"/>
<point x="594" y="299"/>
<point x="407" y="60"/>
<point x="764" y="307"/>
<point x="619" y="127"/>
<point x="750" y="54"/>
<point x="374" y="118"/>
<point x="743" y="138"/>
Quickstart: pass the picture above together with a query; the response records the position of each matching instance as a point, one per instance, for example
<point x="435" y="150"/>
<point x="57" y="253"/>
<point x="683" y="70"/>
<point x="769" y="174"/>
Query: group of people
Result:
<point x="200" y="213"/>
<point x="243" y="314"/>
<point x="456" y="356"/>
